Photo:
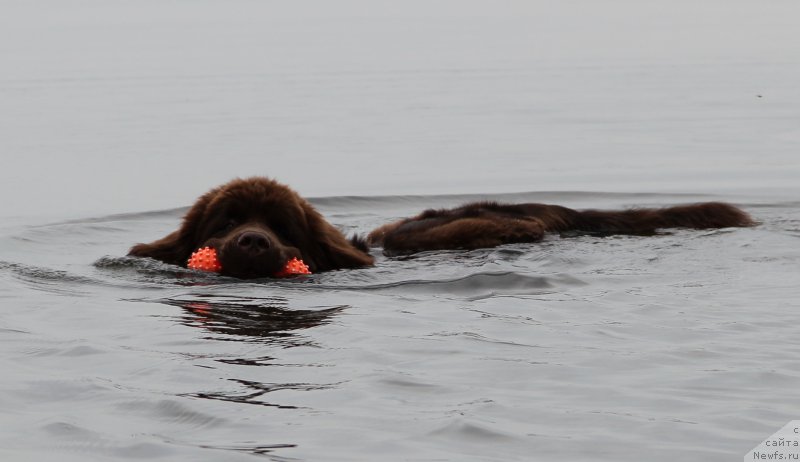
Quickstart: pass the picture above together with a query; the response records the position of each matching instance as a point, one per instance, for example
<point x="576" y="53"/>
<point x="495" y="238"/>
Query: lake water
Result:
<point x="116" y="115"/>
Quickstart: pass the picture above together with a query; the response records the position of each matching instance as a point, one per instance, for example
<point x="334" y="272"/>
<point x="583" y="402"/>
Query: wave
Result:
<point x="118" y="272"/>
<point x="474" y="286"/>
<point x="47" y="279"/>
<point x="42" y="274"/>
<point x="142" y="273"/>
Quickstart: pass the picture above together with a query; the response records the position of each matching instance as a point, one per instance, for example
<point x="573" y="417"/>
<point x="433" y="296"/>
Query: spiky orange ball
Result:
<point x="204" y="259"/>
<point x="293" y="267"/>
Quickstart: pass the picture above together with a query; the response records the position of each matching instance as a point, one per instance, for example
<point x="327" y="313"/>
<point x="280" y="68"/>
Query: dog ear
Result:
<point x="176" y="247"/>
<point x="329" y="248"/>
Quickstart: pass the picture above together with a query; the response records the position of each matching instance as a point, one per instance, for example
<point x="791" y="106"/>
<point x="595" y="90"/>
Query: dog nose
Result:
<point x="253" y="242"/>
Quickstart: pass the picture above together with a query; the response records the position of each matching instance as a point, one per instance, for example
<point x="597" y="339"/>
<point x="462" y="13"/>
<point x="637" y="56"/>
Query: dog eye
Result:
<point x="229" y="225"/>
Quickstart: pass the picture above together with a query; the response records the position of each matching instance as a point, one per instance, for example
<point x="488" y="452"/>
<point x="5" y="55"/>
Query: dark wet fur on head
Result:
<point x="489" y="224"/>
<point x="256" y="225"/>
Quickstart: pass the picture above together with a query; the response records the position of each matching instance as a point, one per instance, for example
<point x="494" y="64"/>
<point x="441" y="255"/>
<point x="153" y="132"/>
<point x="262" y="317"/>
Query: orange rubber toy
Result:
<point x="204" y="259"/>
<point x="293" y="267"/>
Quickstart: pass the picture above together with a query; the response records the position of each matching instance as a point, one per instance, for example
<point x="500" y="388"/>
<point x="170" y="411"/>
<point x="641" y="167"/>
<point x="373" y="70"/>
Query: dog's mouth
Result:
<point x="249" y="272"/>
<point x="231" y="261"/>
<point x="240" y="265"/>
<point x="292" y="267"/>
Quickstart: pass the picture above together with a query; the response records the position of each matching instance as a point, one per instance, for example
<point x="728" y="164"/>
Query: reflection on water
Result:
<point x="264" y="320"/>
<point x="253" y="392"/>
<point x="258" y="450"/>
<point x="268" y="320"/>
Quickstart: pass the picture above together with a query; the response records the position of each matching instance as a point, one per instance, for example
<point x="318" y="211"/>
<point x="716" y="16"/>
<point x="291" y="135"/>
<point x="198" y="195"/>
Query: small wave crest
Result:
<point x="474" y="286"/>
<point x="47" y="279"/>
<point x="153" y="271"/>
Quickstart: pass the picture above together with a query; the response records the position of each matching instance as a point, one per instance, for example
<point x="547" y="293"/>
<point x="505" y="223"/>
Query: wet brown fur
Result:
<point x="489" y="224"/>
<point x="273" y="214"/>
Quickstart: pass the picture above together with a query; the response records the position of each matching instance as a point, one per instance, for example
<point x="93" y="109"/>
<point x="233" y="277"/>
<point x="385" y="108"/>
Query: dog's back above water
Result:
<point x="489" y="224"/>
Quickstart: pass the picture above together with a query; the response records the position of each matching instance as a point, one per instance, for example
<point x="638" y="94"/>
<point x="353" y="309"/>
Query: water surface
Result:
<point x="677" y="346"/>
<point x="116" y="115"/>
